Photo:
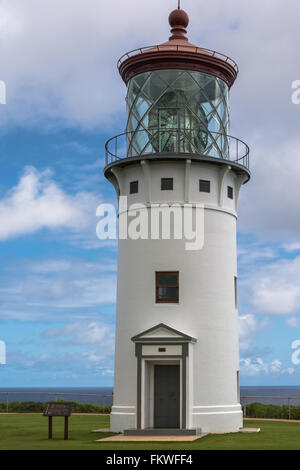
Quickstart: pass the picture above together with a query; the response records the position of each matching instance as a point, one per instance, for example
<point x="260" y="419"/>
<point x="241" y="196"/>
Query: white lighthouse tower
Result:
<point x="177" y="355"/>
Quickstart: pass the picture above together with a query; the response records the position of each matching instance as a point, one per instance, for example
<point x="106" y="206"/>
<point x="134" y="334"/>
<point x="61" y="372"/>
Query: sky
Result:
<point x="64" y="100"/>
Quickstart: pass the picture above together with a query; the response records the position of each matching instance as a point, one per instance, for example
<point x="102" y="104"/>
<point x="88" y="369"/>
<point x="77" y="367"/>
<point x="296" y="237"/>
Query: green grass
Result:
<point x="30" y="432"/>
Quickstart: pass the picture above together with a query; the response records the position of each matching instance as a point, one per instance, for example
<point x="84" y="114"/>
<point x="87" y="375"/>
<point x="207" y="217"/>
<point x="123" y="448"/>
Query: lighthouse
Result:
<point x="176" y="349"/>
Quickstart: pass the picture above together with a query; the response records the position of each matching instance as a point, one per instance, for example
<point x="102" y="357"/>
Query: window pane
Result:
<point x="170" y="280"/>
<point x="168" y="293"/>
<point x="230" y="192"/>
<point x="167" y="184"/>
<point x="204" y="186"/>
<point x="134" y="187"/>
<point x="197" y="107"/>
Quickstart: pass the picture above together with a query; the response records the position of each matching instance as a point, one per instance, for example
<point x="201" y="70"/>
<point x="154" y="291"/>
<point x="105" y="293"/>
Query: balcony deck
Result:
<point x="178" y="144"/>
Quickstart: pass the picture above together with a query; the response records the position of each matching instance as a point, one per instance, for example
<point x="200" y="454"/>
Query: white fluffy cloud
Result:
<point x="255" y="367"/>
<point x="274" y="288"/>
<point x="37" y="202"/>
<point x="269" y="204"/>
<point x="58" y="58"/>
<point x="249" y="326"/>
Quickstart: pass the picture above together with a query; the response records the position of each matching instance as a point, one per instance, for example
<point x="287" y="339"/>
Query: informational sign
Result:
<point x="58" y="409"/>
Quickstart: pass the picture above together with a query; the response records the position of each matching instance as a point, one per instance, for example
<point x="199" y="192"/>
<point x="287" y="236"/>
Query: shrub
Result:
<point x="259" y="410"/>
<point x="38" y="407"/>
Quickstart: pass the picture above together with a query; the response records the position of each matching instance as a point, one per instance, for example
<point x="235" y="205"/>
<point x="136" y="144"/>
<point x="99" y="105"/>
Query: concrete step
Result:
<point x="162" y="432"/>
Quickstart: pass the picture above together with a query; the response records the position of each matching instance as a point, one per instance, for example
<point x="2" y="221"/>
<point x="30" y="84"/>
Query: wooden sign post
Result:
<point x="58" y="409"/>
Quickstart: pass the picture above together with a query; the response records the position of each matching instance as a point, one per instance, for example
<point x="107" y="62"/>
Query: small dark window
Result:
<point x="204" y="186"/>
<point x="230" y="192"/>
<point x="161" y="349"/>
<point x="235" y="292"/>
<point x="167" y="287"/>
<point x="134" y="187"/>
<point x="167" y="184"/>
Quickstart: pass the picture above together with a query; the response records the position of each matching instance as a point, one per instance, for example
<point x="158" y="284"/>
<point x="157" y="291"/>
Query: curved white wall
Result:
<point x="206" y="308"/>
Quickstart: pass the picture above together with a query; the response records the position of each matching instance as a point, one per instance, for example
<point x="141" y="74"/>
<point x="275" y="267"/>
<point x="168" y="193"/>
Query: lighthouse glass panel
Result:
<point x="177" y="111"/>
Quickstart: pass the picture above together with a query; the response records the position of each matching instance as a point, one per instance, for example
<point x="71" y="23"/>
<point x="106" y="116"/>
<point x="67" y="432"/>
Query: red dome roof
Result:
<point x="178" y="53"/>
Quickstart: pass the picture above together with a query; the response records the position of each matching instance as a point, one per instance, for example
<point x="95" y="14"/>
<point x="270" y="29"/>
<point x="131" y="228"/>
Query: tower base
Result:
<point x="218" y="419"/>
<point x="210" y="419"/>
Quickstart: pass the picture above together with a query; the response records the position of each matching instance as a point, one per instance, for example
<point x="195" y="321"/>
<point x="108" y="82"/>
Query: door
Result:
<point x="167" y="396"/>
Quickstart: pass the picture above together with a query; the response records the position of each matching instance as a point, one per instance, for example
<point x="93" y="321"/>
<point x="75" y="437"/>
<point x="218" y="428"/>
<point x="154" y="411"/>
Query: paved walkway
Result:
<point x="121" y="438"/>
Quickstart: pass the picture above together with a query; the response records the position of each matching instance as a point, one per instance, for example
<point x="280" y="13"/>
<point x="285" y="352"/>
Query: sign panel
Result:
<point x="58" y="409"/>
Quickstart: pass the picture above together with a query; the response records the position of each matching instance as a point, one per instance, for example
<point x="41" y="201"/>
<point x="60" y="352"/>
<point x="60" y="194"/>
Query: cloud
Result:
<point x="257" y="366"/>
<point x="256" y="253"/>
<point x="79" y="351"/>
<point x="37" y="202"/>
<point x="61" y="289"/>
<point x="269" y="204"/>
<point x="66" y="76"/>
<point x="91" y="364"/>
<point x="291" y="247"/>
<point x="274" y="288"/>
<point x="66" y="53"/>
<point x="81" y="333"/>
<point x="293" y="322"/>
<point x="249" y="326"/>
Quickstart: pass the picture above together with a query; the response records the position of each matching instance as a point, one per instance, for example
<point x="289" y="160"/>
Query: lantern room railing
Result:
<point x="181" y="47"/>
<point x="176" y="142"/>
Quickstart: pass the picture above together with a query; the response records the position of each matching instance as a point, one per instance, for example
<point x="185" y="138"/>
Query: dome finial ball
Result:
<point x="178" y="17"/>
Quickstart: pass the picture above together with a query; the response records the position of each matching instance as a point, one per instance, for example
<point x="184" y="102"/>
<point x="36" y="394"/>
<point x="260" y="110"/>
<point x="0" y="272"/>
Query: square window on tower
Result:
<point x="230" y="192"/>
<point x="167" y="184"/>
<point x="167" y="287"/>
<point x="134" y="187"/>
<point x="204" y="186"/>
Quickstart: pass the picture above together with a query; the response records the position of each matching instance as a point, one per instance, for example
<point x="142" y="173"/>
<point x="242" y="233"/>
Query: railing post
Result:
<point x="6" y="402"/>
<point x="289" y="404"/>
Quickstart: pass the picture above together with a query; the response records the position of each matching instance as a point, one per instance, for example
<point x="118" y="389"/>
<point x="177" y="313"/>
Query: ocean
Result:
<point x="103" y="395"/>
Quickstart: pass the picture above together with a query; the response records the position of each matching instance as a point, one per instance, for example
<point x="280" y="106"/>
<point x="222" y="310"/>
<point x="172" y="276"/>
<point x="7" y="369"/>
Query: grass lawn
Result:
<point x="29" y="431"/>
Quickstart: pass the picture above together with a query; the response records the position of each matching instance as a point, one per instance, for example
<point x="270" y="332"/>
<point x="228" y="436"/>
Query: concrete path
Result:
<point x="121" y="438"/>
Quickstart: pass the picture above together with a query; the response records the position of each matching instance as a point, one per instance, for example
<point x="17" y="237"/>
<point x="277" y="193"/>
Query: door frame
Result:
<point x="162" y="343"/>
<point x="170" y="364"/>
<point x="145" y="383"/>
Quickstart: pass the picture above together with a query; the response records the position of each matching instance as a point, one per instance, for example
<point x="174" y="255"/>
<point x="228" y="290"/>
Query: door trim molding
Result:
<point x="183" y="372"/>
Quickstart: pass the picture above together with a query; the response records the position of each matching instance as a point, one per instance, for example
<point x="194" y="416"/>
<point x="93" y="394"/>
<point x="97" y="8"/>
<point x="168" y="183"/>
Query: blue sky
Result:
<point x="64" y="100"/>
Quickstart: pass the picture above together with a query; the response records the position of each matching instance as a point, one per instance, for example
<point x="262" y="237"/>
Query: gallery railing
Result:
<point x="179" y="141"/>
<point x="182" y="48"/>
